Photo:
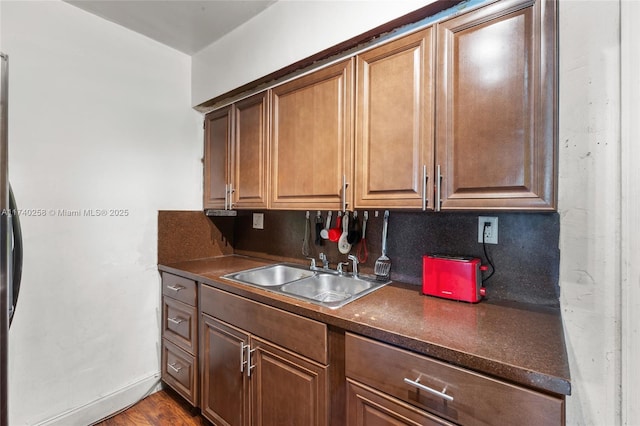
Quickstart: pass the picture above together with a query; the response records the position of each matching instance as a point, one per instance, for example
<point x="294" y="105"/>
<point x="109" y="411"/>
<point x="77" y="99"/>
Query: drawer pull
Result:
<point x="176" y="320"/>
<point x="428" y="389"/>
<point x="174" y="368"/>
<point x="176" y="288"/>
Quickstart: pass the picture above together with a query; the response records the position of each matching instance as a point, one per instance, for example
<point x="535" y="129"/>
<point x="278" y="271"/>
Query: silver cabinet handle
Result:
<point x="249" y="366"/>
<point x="176" y="288"/>
<point x="231" y="190"/>
<point x="425" y="179"/>
<point x="176" y="320"/>
<point x="226" y="196"/>
<point x="174" y="368"/>
<point x="438" y="201"/>
<point x="428" y="389"/>
<point x="243" y="348"/>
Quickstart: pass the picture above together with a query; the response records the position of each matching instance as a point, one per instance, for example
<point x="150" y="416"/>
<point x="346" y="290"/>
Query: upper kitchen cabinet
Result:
<point x="236" y="155"/>
<point x="251" y="152"/>
<point x="495" y="107"/>
<point x="217" y="156"/>
<point x="312" y="139"/>
<point x="394" y="124"/>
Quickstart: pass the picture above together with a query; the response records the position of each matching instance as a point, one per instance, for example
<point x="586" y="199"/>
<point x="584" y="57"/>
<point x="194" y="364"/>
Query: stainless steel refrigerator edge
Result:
<point x="5" y="279"/>
<point x="10" y="244"/>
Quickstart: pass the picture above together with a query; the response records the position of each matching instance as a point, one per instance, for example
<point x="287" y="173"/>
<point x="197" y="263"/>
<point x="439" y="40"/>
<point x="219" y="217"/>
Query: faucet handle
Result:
<point x="313" y="262"/>
<point x="340" y="265"/>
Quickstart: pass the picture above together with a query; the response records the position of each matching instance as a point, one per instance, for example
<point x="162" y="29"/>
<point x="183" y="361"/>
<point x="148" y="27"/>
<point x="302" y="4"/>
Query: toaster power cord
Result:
<point x="484" y="247"/>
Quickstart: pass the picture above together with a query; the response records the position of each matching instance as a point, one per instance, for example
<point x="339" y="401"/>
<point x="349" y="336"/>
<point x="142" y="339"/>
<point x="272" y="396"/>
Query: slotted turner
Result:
<point x="383" y="264"/>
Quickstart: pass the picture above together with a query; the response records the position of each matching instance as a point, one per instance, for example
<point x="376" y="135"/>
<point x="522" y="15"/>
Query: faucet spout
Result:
<point x="354" y="269"/>
<point x="325" y="261"/>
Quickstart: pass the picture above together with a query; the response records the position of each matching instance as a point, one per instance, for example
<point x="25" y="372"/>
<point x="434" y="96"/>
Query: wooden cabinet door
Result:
<point x="368" y="407"/>
<point x="225" y="387"/>
<point x="286" y="388"/>
<point x="217" y="156"/>
<point x="394" y="124"/>
<point x="312" y="139"/>
<point x="495" y="98"/>
<point x="250" y="147"/>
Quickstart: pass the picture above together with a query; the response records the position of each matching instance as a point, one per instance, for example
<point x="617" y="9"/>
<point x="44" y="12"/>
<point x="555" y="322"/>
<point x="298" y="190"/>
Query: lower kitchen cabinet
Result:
<point x="180" y="335"/>
<point x="287" y="389"/>
<point x="258" y="365"/>
<point x="368" y="407"/>
<point x="388" y="384"/>
<point x="225" y="380"/>
<point x="180" y="371"/>
<point x="244" y="362"/>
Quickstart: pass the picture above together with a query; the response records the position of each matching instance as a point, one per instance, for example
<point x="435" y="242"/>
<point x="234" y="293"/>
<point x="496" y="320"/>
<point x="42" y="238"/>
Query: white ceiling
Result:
<point x="186" y="25"/>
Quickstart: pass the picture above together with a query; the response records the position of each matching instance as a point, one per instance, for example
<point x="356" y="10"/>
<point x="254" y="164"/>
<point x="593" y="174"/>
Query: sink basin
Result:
<point x="270" y="276"/>
<point x="329" y="289"/>
<point x="322" y="287"/>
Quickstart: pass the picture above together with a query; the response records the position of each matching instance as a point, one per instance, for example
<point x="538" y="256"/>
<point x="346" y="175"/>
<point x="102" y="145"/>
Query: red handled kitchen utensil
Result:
<point x="334" y="233"/>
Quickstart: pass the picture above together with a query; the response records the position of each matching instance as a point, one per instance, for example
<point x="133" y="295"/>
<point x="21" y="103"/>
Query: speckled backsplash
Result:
<point x="526" y="258"/>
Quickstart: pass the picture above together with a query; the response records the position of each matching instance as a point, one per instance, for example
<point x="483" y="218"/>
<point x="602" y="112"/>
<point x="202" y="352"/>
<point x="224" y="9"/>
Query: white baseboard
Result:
<point x="104" y="406"/>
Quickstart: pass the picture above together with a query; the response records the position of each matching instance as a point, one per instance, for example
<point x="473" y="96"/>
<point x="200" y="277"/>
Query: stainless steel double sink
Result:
<point x="323" y="287"/>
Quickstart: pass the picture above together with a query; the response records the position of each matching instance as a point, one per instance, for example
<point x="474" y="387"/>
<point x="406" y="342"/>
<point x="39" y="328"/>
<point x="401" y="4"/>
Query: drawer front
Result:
<point x="458" y="395"/>
<point x="180" y="324"/>
<point x="179" y="288"/>
<point x="294" y="332"/>
<point x="366" y="406"/>
<point x="180" y="371"/>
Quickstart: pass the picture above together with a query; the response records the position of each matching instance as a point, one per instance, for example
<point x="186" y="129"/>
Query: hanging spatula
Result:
<point x="383" y="264"/>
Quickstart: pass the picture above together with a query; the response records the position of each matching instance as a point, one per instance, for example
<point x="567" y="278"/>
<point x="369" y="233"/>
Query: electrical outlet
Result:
<point x="258" y="221"/>
<point x="490" y="231"/>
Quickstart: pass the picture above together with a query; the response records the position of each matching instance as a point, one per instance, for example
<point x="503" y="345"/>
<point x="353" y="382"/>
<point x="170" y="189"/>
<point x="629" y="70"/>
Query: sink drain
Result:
<point x="331" y="296"/>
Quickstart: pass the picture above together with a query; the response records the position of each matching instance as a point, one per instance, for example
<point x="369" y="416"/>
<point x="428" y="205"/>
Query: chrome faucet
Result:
<point x="354" y="270"/>
<point x="340" y="265"/>
<point x="325" y="262"/>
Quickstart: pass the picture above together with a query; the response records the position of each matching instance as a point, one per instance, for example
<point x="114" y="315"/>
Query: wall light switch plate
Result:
<point x="490" y="231"/>
<point x="258" y="221"/>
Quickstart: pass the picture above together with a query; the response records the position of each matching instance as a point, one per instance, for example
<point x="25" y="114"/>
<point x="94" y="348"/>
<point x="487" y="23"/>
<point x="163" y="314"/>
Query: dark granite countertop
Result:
<point x="523" y="344"/>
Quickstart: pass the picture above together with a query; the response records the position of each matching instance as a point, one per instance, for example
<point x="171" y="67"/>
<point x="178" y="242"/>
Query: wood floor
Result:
<point x="163" y="408"/>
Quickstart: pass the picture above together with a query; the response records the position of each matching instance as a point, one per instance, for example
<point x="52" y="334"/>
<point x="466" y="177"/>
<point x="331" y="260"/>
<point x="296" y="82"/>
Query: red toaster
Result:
<point x="453" y="277"/>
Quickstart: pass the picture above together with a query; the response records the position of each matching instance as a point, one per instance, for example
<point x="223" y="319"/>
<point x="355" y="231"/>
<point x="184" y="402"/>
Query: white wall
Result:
<point x="589" y="205"/>
<point x="629" y="230"/>
<point x="286" y="32"/>
<point x="100" y="118"/>
<point x="589" y="157"/>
